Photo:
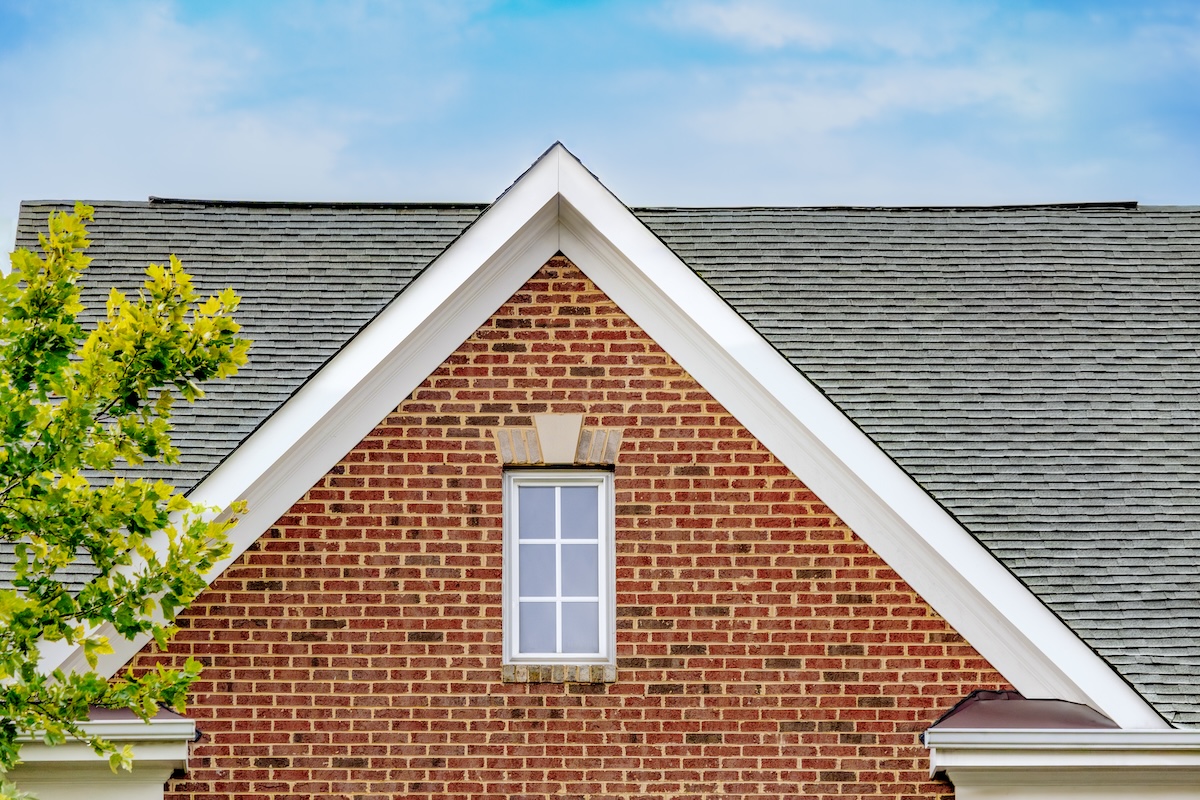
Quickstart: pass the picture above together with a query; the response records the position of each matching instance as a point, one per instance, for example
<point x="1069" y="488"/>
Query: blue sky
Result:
<point x="710" y="102"/>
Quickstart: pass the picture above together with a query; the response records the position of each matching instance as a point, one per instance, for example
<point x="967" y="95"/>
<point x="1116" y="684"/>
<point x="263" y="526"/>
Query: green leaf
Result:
<point x="77" y="404"/>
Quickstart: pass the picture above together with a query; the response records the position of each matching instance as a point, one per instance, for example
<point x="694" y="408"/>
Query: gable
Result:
<point x="357" y="643"/>
<point x="557" y="206"/>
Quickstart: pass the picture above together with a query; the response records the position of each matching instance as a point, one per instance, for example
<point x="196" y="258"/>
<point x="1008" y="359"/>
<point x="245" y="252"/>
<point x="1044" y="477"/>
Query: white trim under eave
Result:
<point x="122" y="731"/>
<point x="1038" y="763"/>
<point x="72" y="769"/>
<point x="558" y="205"/>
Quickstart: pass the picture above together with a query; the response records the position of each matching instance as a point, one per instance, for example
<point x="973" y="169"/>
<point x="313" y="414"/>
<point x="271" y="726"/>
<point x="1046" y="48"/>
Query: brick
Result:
<point x="784" y="663"/>
<point x="840" y="725"/>
<point x="836" y="776"/>
<point x="264" y="586"/>
<point x="797" y="726"/>
<point x="846" y="650"/>
<point x="703" y="738"/>
<point x="665" y="688"/>
<point x="876" y="702"/>
<point x="329" y="624"/>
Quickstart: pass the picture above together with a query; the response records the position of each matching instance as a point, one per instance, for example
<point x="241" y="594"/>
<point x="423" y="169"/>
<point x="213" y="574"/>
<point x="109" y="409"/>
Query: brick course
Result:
<point x="763" y="649"/>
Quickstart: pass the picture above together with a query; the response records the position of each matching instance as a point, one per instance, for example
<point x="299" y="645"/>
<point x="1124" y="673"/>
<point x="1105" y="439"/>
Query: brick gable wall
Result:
<point x="763" y="649"/>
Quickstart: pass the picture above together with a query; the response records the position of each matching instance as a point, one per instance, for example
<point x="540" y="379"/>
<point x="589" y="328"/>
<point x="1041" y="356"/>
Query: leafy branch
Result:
<point x="76" y="405"/>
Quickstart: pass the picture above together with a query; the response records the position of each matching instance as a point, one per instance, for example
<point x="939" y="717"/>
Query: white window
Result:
<point x="558" y="567"/>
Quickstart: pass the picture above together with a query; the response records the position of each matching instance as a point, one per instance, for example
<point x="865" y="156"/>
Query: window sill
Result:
<point x="558" y="673"/>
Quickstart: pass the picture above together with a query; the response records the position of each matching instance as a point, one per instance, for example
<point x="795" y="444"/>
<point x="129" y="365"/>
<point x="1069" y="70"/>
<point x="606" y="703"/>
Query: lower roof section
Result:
<point x="987" y="710"/>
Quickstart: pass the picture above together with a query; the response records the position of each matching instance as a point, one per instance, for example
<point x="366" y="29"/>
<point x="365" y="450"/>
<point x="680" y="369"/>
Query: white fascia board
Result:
<point x="964" y="752"/>
<point x="161" y="742"/>
<point x="373" y="373"/>
<point x="947" y="566"/>
<point x="133" y="730"/>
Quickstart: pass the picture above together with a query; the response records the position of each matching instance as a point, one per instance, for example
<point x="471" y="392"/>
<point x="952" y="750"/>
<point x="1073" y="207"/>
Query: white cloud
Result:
<point x="127" y="101"/>
<point x="382" y="17"/>
<point x="909" y="29"/>
<point x="828" y="100"/>
<point x="756" y="24"/>
<point x="1167" y="41"/>
<point x="136" y="103"/>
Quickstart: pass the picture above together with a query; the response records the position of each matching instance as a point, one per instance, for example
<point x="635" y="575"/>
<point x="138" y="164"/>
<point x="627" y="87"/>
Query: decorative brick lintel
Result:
<point x="558" y="673"/>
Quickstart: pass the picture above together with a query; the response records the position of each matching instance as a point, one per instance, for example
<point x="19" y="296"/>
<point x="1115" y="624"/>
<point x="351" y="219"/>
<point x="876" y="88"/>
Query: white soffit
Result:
<point x="559" y="206"/>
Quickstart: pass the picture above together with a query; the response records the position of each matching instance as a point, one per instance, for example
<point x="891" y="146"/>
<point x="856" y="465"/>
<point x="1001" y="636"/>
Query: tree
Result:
<point x="76" y="405"/>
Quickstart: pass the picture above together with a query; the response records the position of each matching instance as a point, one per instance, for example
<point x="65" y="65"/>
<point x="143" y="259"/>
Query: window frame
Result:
<point x="607" y="578"/>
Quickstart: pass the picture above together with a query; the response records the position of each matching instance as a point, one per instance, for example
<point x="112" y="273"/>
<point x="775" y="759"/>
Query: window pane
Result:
<point x="581" y="628"/>
<point x="581" y="570"/>
<point x="537" y="571"/>
<point x="537" y="627"/>
<point x="580" y="512"/>
<point x="536" y="506"/>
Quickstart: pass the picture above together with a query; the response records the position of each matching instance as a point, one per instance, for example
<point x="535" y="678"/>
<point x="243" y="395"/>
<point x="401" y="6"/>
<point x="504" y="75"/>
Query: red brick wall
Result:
<point x="763" y="649"/>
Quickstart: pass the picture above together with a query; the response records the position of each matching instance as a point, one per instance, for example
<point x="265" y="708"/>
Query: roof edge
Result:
<point x="350" y="204"/>
<point x="1043" y="764"/>
<point x="1079" y="206"/>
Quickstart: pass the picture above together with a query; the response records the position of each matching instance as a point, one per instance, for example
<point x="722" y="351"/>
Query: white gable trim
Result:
<point x="981" y="599"/>
<point x="369" y="377"/>
<point x="559" y="205"/>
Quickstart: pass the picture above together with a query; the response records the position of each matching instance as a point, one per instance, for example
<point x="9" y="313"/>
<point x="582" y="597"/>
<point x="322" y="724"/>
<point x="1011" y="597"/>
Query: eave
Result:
<point x="1023" y="764"/>
<point x="72" y="769"/>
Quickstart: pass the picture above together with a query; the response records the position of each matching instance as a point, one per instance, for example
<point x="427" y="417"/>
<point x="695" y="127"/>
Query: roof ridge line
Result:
<point x="308" y="203"/>
<point x="1124" y="204"/>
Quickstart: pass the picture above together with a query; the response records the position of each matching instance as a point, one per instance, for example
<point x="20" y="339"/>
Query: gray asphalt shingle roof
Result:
<point x="1034" y="369"/>
<point x="309" y="278"/>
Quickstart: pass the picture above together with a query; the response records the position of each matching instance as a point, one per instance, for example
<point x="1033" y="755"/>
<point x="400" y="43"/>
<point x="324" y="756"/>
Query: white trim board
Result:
<point x="167" y="729"/>
<point x="1037" y="764"/>
<point x="72" y="770"/>
<point x="559" y="206"/>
